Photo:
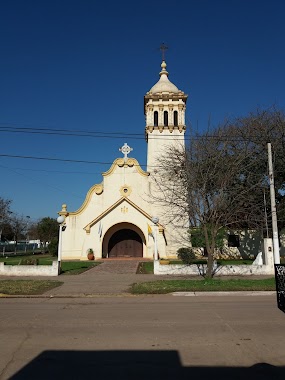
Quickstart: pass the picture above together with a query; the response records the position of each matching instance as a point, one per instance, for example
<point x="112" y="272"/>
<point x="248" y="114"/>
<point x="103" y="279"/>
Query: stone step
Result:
<point x="118" y="266"/>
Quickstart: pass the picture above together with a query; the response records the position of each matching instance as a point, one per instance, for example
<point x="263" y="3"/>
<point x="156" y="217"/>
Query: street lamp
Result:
<point x="60" y="221"/>
<point x="155" y="221"/>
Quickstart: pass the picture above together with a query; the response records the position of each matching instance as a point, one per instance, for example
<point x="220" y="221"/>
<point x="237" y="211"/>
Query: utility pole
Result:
<point x="273" y="208"/>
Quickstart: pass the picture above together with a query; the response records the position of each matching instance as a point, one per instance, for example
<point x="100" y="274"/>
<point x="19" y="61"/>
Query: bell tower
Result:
<point x="164" y="107"/>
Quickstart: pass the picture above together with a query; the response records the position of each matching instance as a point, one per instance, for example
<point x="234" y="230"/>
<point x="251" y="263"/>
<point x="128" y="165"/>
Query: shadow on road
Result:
<point x="135" y="365"/>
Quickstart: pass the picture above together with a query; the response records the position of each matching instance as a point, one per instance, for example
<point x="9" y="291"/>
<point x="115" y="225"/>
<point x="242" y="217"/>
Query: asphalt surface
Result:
<point x="142" y="337"/>
<point x="93" y="328"/>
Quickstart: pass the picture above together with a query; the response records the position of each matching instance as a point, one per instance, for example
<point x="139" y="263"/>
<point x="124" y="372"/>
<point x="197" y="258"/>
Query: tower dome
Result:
<point x="164" y="84"/>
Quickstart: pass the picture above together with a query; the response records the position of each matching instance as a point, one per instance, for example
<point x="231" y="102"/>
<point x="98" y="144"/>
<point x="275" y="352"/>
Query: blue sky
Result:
<point x="86" y="65"/>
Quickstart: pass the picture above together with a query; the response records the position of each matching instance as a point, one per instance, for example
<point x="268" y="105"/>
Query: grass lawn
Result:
<point x="145" y="267"/>
<point x="212" y="285"/>
<point x="27" y="287"/>
<point x="44" y="259"/>
<point x="77" y="267"/>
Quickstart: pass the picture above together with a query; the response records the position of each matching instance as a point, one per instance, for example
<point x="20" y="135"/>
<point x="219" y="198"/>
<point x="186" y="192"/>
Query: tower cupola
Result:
<point x="165" y="105"/>
<point x="164" y="108"/>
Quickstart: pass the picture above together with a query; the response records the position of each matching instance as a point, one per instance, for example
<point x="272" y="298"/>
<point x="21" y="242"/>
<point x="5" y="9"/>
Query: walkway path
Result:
<point x="112" y="277"/>
<point x="116" y="266"/>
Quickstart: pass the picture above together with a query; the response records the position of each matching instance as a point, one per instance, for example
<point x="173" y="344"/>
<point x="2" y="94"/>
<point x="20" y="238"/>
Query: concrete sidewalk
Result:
<point x="112" y="277"/>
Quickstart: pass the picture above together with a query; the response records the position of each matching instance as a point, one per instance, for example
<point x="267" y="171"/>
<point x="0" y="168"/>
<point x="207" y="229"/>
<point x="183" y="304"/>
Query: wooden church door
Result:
<point x="125" y="243"/>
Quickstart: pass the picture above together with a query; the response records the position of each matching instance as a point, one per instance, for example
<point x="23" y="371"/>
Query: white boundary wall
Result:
<point x="223" y="270"/>
<point x="29" y="270"/>
<point x="262" y="265"/>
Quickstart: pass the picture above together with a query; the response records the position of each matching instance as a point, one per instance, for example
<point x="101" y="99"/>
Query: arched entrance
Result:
<point x="125" y="243"/>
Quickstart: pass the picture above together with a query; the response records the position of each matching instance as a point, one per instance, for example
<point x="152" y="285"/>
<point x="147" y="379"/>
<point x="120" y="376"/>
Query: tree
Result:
<point x="18" y="225"/>
<point x="212" y="184"/>
<point x="259" y="128"/>
<point x="47" y="229"/>
<point x="32" y="231"/>
<point x="4" y="213"/>
<point x="197" y="237"/>
<point x="7" y="232"/>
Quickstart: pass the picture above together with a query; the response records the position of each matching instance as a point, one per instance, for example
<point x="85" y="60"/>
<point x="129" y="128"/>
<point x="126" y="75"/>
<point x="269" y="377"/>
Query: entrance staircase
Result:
<point x="118" y="266"/>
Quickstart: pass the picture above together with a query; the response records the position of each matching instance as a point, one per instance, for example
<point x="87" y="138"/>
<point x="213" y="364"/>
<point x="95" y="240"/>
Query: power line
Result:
<point x="62" y="160"/>
<point x="66" y="132"/>
<point x="55" y="159"/>
<point x="9" y="127"/>
<point x="116" y="135"/>
<point x="53" y="171"/>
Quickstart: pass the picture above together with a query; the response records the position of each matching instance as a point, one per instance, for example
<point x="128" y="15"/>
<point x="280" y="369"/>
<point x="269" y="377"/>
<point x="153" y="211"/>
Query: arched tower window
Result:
<point x="175" y="118"/>
<point x="155" y="118"/>
<point x="165" y="118"/>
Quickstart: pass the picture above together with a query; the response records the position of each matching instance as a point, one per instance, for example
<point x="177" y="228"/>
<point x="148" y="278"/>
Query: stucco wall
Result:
<point x="109" y="209"/>
<point x="29" y="270"/>
<point x="224" y="270"/>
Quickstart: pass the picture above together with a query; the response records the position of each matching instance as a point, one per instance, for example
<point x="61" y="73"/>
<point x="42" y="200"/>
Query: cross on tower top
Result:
<point x="126" y="149"/>
<point x="163" y="49"/>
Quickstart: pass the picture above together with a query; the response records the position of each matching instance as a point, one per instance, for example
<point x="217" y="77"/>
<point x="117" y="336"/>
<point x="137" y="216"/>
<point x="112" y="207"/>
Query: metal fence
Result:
<point x="280" y="285"/>
<point x="21" y="247"/>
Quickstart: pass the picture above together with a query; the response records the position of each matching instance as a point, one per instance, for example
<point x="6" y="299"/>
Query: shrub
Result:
<point x="29" y="262"/>
<point x="187" y="255"/>
<point x="53" y="247"/>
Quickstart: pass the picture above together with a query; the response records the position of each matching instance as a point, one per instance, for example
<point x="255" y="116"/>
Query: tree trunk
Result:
<point x="210" y="250"/>
<point x="210" y="263"/>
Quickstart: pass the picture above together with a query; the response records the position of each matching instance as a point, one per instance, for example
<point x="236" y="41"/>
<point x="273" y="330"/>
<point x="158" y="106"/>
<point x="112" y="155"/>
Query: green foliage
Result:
<point x="27" y="287"/>
<point x="210" y="285"/>
<point x="198" y="239"/>
<point x="29" y="261"/>
<point x="186" y="254"/>
<point x="53" y="247"/>
<point x="47" y="229"/>
<point x="76" y="267"/>
<point x="145" y="267"/>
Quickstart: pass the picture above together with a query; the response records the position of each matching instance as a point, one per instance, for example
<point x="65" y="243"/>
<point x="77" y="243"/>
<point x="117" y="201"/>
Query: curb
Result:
<point x="47" y="296"/>
<point x="218" y="294"/>
<point x="177" y="294"/>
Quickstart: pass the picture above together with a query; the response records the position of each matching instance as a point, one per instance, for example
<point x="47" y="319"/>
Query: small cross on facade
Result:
<point x="125" y="150"/>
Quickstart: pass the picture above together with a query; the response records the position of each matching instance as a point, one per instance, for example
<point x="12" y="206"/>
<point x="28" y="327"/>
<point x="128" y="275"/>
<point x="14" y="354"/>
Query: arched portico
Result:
<point x="123" y="240"/>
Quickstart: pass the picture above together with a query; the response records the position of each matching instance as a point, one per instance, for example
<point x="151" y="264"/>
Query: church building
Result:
<point x="118" y="217"/>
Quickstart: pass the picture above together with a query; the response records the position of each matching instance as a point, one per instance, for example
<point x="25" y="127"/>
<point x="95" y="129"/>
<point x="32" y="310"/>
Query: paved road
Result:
<point x="142" y="337"/>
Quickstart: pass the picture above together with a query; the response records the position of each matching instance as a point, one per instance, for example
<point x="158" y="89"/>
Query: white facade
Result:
<point x="116" y="216"/>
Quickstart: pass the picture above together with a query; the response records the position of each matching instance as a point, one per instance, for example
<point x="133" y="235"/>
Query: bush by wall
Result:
<point x="186" y="254"/>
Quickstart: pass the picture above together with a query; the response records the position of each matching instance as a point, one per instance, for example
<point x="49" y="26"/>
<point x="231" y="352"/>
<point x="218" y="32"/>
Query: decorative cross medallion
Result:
<point x="125" y="150"/>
